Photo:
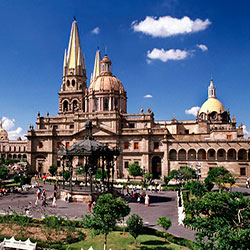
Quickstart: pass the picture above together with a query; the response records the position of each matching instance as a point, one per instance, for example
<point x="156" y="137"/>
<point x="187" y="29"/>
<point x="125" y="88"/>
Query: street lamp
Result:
<point x="198" y="173"/>
<point x="179" y="176"/>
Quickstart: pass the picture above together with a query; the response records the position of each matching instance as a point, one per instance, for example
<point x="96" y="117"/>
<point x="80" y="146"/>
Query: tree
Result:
<point x="135" y="170"/>
<point x="134" y="225"/>
<point x="196" y="187"/>
<point x="167" y="179"/>
<point x="52" y="170"/>
<point x="81" y="170"/>
<point x="17" y="178"/>
<point x="105" y="215"/>
<point x="98" y="174"/>
<point x="222" y="220"/>
<point x="220" y="176"/>
<point x="164" y="223"/>
<point x="66" y="175"/>
<point x="187" y="173"/>
<point x="3" y="172"/>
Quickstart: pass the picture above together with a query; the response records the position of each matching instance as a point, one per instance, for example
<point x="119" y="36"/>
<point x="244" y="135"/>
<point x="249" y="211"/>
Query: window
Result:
<point x="137" y="163"/>
<point x="96" y="104"/>
<point x="71" y="126"/>
<point x="58" y="164"/>
<point x="243" y="171"/>
<point x="65" y="106"/>
<point x="126" y="164"/>
<point x="131" y="125"/>
<point x="75" y="105"/>
<point x="136" y="145"/>
<point x="229" y="137"/>
<point x="105" y="104"/>
<point x="186" y="131"/>
<point x="156" y="145"/>
<point x="126" y="145"/>
<point x="67" y="144"/>
<point x="73" y="83"/>
<point x="40" y="145"/>
<point x="116" y="103"/>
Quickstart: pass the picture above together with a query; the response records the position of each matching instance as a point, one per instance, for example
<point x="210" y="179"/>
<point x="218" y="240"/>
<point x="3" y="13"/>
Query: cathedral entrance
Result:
<point x="156" y="167"/>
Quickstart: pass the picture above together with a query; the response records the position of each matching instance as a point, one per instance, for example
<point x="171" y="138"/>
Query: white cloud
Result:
<point x="148" y="96"/>
<point x="202" y="47"/>
<point x="96" y="31"/>
<point x="8" y="125"/>
<point x="245" y="132"/>
<point x="192" y="111"/>
<point x="14" y="134"/>
<point x="167" y="26"/>
<point x="165" y="55"/>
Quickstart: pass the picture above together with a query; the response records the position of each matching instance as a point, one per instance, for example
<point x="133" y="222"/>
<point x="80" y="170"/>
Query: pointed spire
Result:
<point x="74" y="56"/>
<point x="97" y="65"/>
<point x="65" y="63"/>
<point x="211" y="90"/>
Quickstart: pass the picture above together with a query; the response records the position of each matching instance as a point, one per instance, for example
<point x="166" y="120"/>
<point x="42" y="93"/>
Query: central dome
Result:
<point x="106" y="83"/>
<point x="212" y="105"/>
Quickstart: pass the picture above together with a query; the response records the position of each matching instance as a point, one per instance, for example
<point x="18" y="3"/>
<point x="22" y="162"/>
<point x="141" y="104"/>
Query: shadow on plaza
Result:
<point x="154" y="199"/>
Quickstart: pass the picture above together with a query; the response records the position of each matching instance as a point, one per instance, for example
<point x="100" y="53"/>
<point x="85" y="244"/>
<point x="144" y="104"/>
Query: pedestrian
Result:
<point x="127" y="189"/>
<point x="139" y="199"/>
<point x="54" y="200"/>
<point x="94" y="203"/>
<point x="147" y="199"/>
<point x="44" y="201"/>
<point x="89" y="206"/>
<point x="37" y="196"/>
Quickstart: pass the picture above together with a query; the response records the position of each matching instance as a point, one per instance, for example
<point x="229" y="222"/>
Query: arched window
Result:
<point x="172" y="155"/>
<point x="68" y="83"/>
<point x="192" y="155"/>
<point x="19" y="156"/>
<point x="211" y="155"/>
<point x="231" y="154"/>
<point x="73" y="83"/>
<point x="242" y="155"/>
<point x="65" y="106"/>
<point x="24" y="156"/>
<point x="75" y="105"/>
<point x="221" y="155"/>
<point x="96" y="104"/>
<point x="202" y="154"/>
<point x="105" y="104"/>
<point x="182" y="155"/>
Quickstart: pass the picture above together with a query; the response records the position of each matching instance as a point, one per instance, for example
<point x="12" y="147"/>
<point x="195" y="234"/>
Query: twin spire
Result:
<point x="211" y="90"/>
<point x="74" y="61"/>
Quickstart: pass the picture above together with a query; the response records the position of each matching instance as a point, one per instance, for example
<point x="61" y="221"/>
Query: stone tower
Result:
<point x="74" y="85"/>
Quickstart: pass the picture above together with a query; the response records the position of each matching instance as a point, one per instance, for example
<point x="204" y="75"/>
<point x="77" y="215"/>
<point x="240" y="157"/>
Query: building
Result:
<point x="11" y="149"/>
<point x="212" y="139"/>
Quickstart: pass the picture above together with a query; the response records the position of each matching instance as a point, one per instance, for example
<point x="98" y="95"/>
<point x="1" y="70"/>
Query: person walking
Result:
<point x="147" y="199"/>
<point x="37" y="196"/>
<point x="54" y="200"/>
<point x="89" y="206"/>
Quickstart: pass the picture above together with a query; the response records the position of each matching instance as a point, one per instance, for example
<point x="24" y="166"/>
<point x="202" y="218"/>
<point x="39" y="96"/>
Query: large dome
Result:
<point x="212" y="105"/>
<point x="3" y="133"/>
<point x="106" y="83"/>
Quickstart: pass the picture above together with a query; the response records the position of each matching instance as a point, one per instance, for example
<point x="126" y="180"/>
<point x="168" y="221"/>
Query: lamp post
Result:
<point x="198" y="171"/>
<point x="179" y="190"/>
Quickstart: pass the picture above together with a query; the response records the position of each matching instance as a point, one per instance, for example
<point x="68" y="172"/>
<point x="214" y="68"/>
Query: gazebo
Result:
<point x="93" y="155"/>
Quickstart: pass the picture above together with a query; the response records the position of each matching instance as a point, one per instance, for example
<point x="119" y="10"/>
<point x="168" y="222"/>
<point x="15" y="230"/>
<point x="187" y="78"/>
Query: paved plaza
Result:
<point x="162" y="204"/>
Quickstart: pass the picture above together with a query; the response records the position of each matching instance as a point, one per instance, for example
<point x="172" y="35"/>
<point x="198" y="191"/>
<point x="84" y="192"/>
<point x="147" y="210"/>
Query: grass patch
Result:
<point x="120" y="241"/>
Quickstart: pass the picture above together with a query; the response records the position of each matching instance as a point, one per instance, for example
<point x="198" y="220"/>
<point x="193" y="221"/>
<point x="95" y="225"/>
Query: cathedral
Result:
<point x="211" y="140"/>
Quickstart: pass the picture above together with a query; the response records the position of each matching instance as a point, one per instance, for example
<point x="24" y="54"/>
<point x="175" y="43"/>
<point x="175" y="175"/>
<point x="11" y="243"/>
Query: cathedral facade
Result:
<point x="211" y="140"/>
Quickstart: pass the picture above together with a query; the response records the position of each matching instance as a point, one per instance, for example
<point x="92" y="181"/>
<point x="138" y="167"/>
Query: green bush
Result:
<point x="66" y="175"/>
<point x="135" y="170"/>
<point x="134" y="225"/>
<point x="53" y="170"/>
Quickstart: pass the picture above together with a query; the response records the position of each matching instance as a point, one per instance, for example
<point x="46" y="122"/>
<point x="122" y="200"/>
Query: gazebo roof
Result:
<point x="88" y="147"/>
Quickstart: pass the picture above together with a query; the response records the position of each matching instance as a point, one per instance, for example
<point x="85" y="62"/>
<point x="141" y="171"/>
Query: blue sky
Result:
<point x="142" y="45"/>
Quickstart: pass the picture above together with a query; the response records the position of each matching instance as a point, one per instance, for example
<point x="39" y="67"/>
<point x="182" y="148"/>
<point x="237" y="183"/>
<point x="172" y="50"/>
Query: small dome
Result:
<point x="106" y="59"/>
<point x="212" y="105"/>
<point x="106" y="83"/>
<point x="3" y="133"/>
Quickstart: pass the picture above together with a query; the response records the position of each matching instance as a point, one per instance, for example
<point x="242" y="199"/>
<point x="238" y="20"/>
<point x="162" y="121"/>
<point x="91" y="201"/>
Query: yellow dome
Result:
<point x="3" y="133"/>
<point x="212" y="105"/>
<point x="106" y="83"/>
